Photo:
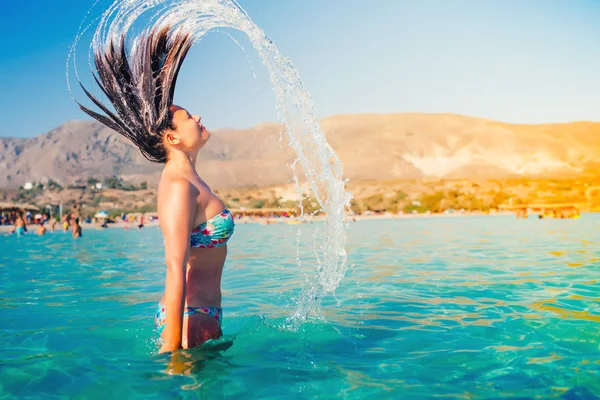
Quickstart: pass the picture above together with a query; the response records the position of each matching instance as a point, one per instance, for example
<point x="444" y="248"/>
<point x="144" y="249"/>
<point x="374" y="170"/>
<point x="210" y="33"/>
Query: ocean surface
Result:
<point x="465" y="308"/>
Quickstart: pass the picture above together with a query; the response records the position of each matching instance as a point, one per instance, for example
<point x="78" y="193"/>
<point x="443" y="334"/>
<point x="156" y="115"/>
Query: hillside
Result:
<point x="371" y="147"/>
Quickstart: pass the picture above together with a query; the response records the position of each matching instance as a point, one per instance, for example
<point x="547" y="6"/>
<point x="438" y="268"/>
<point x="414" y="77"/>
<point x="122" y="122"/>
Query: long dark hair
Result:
<point x="140" y="88"/>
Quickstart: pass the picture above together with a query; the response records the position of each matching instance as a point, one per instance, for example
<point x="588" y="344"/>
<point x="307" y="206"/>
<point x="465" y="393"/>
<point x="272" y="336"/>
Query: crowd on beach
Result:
<point x="126" y="221"/>
<point x="21" y="222"/>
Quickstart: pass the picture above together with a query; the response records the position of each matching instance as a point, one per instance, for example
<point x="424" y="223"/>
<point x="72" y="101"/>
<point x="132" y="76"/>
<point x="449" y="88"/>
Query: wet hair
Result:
<point x="140" y="87"/>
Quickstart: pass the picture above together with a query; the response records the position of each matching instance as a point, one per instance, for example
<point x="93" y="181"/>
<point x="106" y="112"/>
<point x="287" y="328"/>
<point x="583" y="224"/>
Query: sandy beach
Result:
<point x="270" y="221"/>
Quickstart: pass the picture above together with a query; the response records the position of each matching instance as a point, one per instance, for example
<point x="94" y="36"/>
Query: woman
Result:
<point x="66" y="223"/>
<point x="195" y="223"/>
<point x="76" y="230"/>
<point x="140" y="221"/>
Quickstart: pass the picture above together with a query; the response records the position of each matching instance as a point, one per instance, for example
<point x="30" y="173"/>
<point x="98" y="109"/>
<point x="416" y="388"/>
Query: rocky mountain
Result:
<point x="370" y="146"/>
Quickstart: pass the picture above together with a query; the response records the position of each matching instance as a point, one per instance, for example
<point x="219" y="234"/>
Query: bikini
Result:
<point x="213" y="233"/>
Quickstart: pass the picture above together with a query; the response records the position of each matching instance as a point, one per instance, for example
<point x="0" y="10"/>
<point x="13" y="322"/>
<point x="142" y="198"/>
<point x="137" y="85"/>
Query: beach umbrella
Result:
<point x="101" y="214"/>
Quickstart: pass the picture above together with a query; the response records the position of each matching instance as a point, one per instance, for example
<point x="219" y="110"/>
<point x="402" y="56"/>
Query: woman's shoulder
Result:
<point x="176" y="185"/>
<point x="172" y="181"/>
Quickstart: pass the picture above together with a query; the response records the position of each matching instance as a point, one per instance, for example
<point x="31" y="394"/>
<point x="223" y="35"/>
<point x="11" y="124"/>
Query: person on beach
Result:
<point x="76" y="228"/>
<point x="52" y="224"/>
<point x="196" y="226"/>
<point x="41" y="229"/>
<point x="65" y="222"/>
<point x="140" y="221"/>
<point x="20" y="226"/>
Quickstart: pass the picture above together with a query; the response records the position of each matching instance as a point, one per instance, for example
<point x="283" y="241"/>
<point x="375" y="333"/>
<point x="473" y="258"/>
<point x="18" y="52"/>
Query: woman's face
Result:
<point x="189" y="130"/>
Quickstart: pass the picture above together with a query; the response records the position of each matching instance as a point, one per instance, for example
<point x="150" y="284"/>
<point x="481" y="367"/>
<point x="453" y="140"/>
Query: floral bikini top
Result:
<point x="215" y="232"/>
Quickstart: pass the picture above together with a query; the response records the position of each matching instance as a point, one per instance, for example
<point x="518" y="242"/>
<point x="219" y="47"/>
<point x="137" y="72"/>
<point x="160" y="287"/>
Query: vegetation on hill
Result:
<point x="416" y="196"/>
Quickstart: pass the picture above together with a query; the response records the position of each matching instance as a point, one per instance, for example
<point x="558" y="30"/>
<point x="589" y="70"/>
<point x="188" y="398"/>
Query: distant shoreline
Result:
<point x="274" y="221"/>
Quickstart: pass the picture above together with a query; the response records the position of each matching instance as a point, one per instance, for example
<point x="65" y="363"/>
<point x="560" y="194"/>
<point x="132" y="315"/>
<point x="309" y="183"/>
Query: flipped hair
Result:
<point x="141" y="87"/>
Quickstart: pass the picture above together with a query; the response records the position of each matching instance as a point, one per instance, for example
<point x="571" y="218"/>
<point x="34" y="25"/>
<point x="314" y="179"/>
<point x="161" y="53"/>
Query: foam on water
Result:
<point x="317" y="160"/>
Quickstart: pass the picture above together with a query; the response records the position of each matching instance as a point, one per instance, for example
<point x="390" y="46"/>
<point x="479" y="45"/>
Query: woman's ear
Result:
<point x="172" y="138"/>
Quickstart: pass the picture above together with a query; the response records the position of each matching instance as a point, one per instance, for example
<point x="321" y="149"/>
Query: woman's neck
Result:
<point x="180" y="158"/>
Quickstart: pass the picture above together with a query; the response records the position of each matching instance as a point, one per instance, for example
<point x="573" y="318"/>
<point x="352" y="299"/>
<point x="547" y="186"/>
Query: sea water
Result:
<point x="463" y="307"/>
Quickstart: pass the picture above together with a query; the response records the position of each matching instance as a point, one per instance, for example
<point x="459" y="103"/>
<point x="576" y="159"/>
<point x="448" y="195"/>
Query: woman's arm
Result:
<point x="176" y="213"/>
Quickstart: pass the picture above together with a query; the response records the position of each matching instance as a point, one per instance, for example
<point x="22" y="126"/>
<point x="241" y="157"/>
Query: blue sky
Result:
<point x="511" y="60"/>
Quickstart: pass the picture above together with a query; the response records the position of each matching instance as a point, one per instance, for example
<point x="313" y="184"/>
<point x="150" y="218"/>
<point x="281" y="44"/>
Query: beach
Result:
<point x="284" y="220"/>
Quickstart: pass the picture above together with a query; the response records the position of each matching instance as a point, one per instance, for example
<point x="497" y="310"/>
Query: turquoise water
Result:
<point x="473" y="307"/>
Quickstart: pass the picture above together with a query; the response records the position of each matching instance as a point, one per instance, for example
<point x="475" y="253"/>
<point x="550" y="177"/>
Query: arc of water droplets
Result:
<point x="319" y="162"/>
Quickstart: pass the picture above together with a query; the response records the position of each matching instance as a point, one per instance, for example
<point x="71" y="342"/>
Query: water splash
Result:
<point x="318" y="161"/>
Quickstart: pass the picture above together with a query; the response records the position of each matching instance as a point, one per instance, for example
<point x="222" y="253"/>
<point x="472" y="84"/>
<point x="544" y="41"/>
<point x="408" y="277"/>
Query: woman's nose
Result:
<point x="197" y="118"/>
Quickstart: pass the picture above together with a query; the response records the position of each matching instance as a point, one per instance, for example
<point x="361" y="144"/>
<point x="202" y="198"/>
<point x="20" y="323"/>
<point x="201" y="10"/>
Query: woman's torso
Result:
<point x="205" y="266"/>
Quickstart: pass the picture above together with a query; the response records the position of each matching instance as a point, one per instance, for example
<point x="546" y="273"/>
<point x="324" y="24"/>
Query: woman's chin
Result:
<point x="203" y="141"/>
